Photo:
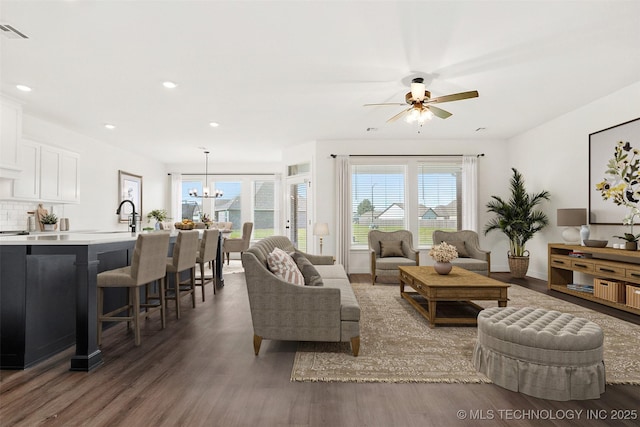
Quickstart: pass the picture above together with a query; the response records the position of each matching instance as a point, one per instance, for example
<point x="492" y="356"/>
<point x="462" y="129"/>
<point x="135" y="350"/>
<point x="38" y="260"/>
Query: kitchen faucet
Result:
<point x="132" y="223"/>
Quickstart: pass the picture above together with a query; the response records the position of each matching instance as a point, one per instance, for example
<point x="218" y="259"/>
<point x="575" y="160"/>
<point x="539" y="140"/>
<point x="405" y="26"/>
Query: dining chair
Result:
<point x="207" y="254"/>
<point x="241" y="244"/>
<point x="184" y="258"/>
<point x="147" y="266"/>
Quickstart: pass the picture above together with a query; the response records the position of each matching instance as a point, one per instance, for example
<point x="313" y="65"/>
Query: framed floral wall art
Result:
<point x="614" y="173"/>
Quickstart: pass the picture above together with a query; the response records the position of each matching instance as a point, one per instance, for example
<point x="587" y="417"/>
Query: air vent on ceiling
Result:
<point x="10" y="32"/>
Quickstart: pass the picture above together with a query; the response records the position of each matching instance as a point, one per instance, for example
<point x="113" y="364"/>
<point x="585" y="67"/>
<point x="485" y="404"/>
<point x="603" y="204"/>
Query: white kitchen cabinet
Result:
<point x="50" y="174"/>
<point x="27" y="186"/>
<point x="70" y="177"/>
<point x="10" y="132"/>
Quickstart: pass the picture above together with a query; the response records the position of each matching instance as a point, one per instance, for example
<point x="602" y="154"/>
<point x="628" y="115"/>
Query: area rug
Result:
<point x="398" y="346"/>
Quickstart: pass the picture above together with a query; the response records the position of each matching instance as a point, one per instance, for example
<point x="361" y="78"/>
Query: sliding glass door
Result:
<point x="297" y="217"/>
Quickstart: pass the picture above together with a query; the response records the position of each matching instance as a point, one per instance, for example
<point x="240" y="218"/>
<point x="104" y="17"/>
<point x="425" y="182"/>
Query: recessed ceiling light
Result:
<point x="23" y="88"/>
<point x="109" y="126"/>
<point x="169" y="84"/>
<point x="214" y="124"/>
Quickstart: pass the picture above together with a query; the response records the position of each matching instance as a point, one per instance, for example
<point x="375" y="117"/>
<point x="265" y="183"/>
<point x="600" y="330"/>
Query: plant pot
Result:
<point x="631" y="246"/>
<point x="518" y="265"/>
<point x="49" y="227"/>
<point x="442" y="267"/>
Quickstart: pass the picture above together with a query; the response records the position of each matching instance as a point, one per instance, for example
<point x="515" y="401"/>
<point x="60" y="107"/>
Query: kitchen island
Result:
<point x="48" y="294"/>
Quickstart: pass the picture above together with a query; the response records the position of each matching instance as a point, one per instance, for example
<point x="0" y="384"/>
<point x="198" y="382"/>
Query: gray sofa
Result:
<point x="288" y="312"/>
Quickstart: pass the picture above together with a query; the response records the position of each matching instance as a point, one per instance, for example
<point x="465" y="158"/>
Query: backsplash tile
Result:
<point x="13" y="215"/>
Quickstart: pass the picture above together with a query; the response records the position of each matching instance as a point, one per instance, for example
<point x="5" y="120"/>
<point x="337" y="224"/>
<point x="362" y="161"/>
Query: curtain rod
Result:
<point x="227" y="174"/>
<point x="406" y="155"/>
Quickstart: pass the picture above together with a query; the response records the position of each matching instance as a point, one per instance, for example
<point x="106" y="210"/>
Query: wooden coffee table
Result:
<point x="447" y="298"/>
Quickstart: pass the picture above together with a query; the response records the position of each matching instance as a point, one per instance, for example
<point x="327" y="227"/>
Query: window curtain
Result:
<point x="176" y="197"/>
<point x="343" y="204"/>
<point x="470" y="193"/>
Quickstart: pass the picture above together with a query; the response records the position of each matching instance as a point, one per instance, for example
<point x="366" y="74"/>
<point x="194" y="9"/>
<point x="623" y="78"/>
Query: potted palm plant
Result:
<point x="519" y="220"/>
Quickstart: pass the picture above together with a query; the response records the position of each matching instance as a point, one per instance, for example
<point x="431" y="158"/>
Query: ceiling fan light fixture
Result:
<point x="418" y="91"/>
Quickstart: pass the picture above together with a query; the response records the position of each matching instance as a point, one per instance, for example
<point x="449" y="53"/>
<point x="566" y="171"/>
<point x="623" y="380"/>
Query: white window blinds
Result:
<point x="378" y="200"/>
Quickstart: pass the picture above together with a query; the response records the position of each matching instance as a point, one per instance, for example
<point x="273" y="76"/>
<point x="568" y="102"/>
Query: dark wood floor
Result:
<point x="201" y="371"/>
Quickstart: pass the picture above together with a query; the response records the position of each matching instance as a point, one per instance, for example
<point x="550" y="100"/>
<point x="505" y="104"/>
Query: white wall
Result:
<point x="493" y="170"/>
<point x="555" y="157"/>
<point x="99" y="165"/>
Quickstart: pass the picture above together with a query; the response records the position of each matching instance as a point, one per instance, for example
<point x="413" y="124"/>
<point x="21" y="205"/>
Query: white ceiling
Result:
<point x="275" y="74"/>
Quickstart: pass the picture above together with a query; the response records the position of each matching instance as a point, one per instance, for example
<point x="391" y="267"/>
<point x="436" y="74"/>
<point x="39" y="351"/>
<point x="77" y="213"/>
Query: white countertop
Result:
<point x="70" y="238"/>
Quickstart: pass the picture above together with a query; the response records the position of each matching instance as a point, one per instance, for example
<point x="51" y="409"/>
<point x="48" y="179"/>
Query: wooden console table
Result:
<point x="603" y="263"/>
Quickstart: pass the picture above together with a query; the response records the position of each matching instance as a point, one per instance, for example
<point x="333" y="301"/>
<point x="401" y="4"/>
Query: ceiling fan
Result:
<point x="420" y="101"/>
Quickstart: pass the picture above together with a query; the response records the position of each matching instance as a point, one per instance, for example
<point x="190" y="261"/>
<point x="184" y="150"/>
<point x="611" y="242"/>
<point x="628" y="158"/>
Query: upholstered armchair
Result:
<point x="238" y="245"/>
<point x="470" y="256"/>
<point x="390" y="250"/>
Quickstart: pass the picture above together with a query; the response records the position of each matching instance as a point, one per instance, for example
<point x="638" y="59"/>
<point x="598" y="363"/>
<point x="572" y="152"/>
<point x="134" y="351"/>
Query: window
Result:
<point x="439" y="206"/>
<point x="245" y="198"/>
<point x="228" y="208"/>
<point x="377" y="200"/>
<point x="416" y="194"/>
<point x="191" y="206"/>
<point x="263" y="209"/>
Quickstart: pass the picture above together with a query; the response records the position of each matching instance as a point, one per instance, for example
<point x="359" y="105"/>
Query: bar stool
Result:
<point x="184" y="258"/>
<point x="206" y="254"/>
<point x="147" y="266"/>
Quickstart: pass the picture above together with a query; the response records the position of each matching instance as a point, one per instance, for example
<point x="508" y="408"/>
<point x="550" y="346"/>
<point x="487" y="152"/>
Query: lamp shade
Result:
<point x="321" y="229"/>
<point x="572" y="217"/>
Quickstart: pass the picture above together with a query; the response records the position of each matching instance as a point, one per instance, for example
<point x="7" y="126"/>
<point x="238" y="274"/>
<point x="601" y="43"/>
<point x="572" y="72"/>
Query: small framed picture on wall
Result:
<point x="129" y="188"/>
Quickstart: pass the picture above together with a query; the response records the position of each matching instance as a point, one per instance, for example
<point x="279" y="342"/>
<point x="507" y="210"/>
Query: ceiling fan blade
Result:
<point x="384" y="104"/>
<point x="438" y="112"/>
<point x="400" y="114"/>
<point x="453" y="97"/>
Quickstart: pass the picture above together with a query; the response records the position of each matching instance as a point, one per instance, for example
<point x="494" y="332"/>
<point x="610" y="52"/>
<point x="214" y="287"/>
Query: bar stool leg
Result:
<point x="136" y="312"/>
<point x="163" y="316"/>
<point x="213" y="275"/>
<point x="192" y="282"/>
<point x="202" y="278"/>
<point x="177" y="294"/>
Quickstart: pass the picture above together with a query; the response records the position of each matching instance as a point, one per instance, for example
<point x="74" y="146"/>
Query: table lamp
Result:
<point x="321" y="229"/>
<point x="571" y="219"/>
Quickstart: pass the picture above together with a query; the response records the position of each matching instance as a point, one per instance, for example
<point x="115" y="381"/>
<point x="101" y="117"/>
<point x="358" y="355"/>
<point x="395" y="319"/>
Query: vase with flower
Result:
<point x="160" y="215"/>
<point x="206" y="219"/>
<point x="443" y="254"/>
<point x="631" y="243"/>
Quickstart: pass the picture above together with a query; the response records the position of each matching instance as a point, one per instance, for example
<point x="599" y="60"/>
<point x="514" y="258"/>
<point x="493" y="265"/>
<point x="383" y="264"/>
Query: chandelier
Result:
<point x="206" y="194"/>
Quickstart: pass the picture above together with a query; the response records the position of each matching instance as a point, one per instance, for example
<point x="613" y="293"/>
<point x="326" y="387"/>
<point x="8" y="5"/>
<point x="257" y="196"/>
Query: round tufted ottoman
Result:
<point x="541" y="353"/>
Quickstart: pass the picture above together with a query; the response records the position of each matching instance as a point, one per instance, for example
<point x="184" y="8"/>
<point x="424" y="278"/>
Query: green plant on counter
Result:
<point x="159" y="215"/>
<point x="49" y="219"/>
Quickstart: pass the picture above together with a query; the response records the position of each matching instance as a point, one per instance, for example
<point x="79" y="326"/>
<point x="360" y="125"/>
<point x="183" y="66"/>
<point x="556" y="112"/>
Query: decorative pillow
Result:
<point x="460" y="247"/>
<point x="389" y="248"/>
<point x="311" y="275"/>
<point x="282" y="265"/>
